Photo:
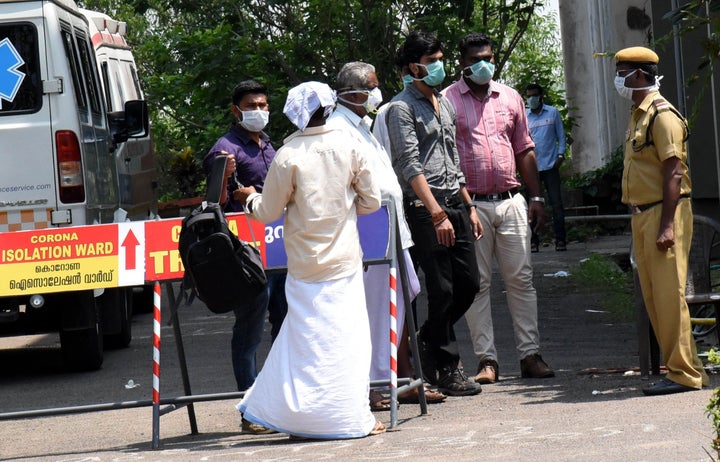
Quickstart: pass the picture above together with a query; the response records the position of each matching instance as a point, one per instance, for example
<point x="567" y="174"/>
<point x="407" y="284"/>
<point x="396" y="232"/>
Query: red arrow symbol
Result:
<point x="130" y="243"/>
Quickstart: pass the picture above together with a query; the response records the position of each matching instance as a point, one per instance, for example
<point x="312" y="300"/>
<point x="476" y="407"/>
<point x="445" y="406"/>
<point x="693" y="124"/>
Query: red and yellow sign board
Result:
<point x="162" y="258"/>
<point x="100" y="256"/>
<point x="56" y="260"/>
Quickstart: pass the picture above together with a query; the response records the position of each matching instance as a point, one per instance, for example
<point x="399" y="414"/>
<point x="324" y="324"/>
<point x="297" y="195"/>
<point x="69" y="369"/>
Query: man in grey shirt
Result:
<point x="421" y="128"/>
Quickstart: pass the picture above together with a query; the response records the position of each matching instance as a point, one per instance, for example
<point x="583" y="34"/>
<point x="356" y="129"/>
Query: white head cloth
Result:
<point x="304" y="99"/>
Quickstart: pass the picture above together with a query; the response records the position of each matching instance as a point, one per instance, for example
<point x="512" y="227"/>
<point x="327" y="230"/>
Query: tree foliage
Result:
<point x="702" y="16"/>
<point x="191" y="53"/>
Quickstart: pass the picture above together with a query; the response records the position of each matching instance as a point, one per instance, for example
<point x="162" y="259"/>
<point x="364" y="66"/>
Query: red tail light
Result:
<point x="70" y="172"/>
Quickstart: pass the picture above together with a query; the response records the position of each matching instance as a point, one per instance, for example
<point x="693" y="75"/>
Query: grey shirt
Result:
<point x="423" y="142"/>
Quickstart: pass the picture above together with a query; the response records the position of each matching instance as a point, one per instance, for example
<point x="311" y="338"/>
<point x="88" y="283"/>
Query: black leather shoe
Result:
<point x="666" y="387"/>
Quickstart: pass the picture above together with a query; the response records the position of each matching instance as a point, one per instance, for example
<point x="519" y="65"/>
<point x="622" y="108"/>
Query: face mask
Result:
<point x="407" y="80"/>
<point x="436" y="73"/>
<point x="534" y="102"/>
<point x="254" y="121"/>
<point x="371" y="104"/>
<point x="482" y="72"/>
<point x="374" y="100"/>
<point x="626" y="92"/>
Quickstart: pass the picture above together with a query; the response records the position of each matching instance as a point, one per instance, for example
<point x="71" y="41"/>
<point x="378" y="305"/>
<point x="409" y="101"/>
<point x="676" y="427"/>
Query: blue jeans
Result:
<point x="248" y="328"/>
<point x="552" y="181"/>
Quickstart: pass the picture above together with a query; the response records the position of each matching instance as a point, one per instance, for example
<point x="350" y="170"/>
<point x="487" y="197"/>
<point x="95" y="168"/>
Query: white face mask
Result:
<point x="254" y="121"/>
<point x="371" y="104"/>
<point x="626" y="92"/>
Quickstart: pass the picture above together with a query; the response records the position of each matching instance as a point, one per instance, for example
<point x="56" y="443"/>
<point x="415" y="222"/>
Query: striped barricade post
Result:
<point x="156" y="367"/>
<point x="393" y="344"/>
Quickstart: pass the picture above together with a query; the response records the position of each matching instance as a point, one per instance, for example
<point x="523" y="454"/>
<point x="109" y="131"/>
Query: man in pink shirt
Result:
<point x="494" y="143"/>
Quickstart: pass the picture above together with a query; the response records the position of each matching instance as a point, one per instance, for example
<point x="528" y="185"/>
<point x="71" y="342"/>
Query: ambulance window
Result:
<point x="80" y="99"/>
<point x="136" y="81"/>
<point x="22" y="84"/>
<point x="114" y="87"/>
<point x="86" y="57"/>
<point x="106" y="85"/>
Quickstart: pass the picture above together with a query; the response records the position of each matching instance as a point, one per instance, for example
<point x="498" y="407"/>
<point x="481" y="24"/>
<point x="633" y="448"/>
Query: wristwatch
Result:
<point x="537" y="199"/>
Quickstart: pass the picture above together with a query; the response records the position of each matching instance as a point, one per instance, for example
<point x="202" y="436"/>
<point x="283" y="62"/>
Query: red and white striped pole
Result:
<point x="156" y="367"/>
<point x="393" y="344"/>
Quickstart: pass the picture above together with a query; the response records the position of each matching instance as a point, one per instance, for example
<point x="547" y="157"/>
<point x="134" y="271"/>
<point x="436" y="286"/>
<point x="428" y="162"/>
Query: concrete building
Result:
<point x="592" y="27"/>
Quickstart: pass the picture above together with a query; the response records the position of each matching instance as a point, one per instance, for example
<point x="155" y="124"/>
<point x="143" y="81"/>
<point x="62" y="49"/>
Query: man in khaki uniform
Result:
<point x="656" y="186"/>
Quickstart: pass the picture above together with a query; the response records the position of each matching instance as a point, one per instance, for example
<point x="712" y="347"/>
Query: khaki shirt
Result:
<point x="643" y="180"/>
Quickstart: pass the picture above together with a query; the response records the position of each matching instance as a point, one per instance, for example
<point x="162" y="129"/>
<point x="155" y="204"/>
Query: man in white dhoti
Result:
<point x="314" y="383"/>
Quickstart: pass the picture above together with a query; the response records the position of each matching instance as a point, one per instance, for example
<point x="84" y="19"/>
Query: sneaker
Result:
<point x="533" y="367"/>
<point x="534" y="247"/>
<point x="255" y="429"/>
<point x="560" y="246"/>
<point x="427" y="361"/>
<point x="454" y="382"/>
<point x="488" y="371"/>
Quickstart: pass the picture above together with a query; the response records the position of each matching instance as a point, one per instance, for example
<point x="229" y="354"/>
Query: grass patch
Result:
<point x="602" y="274"/>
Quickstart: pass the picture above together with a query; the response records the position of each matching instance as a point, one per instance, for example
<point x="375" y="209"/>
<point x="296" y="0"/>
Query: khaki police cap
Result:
<point x="636" y="55"/>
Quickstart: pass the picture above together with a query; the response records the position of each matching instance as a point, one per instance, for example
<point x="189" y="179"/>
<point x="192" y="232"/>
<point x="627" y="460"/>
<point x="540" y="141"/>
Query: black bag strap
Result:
<point x="214" y="189"/>
<point x="210" y="216"/>
<point x="658" y="105"/>
<point x="215" y="180"/>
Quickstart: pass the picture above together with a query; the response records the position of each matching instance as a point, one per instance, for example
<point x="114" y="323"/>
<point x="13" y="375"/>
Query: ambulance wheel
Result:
<point x="143" y="299"/>
<point x="82" y="348"/>
<point x="119" y="302"/>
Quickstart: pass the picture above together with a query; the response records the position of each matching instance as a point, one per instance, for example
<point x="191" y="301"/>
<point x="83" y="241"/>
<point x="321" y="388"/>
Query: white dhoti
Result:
<point x="377" y="294"/>
<point x="314" y="382"/>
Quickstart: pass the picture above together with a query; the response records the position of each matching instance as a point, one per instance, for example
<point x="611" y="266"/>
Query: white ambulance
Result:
<point x="74" y="150"/>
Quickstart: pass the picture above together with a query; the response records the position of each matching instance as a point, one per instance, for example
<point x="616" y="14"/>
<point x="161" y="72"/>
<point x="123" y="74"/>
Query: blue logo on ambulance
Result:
<point x="10" y="77"/>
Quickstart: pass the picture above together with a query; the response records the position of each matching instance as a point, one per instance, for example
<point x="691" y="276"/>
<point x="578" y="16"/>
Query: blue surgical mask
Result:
<point x="533" y="102"/>
<point x="482" y="72"/>
<point x="407" y="80"/>
<point x="436" y="73"/>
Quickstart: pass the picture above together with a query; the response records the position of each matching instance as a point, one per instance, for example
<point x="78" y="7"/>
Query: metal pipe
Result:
<point x="119" y="405"/>
<point x="679" y="68"/>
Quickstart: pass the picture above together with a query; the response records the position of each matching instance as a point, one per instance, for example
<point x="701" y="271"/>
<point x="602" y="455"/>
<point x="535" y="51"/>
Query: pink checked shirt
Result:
<point x="490" y="133"/>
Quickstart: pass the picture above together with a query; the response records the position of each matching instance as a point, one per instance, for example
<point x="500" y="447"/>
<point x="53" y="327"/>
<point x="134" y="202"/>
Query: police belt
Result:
<point x="636" y="208"/>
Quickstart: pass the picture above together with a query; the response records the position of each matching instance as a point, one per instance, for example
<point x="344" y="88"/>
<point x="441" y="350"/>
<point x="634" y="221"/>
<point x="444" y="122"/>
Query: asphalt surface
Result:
<point x="593" y="410"/>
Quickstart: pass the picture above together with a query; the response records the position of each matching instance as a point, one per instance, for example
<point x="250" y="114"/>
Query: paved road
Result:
<point x="592" y="410"/>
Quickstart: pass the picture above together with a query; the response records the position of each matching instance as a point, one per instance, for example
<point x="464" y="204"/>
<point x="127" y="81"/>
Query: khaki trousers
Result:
<point x="662" y="277"/>
<point x="507" y="240"/>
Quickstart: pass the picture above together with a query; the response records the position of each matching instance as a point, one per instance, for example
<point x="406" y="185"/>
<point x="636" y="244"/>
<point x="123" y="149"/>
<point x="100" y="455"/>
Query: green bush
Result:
<point x="601" y="272"/>
<point x="602" y="186"/>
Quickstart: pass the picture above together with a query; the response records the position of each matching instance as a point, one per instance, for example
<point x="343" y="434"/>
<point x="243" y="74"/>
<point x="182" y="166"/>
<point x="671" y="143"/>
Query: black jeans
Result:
<point x="451" y="277"/>
<point x="552" y="181"/>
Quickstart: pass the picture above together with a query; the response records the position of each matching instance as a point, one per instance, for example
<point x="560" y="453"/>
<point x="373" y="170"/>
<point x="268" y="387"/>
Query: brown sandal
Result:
<point x="378" y="402"/>
<point x="413" y="396"/>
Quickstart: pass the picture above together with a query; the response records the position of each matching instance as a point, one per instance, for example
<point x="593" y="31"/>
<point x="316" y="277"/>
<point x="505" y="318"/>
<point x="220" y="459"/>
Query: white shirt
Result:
<point x="378" y="159"/>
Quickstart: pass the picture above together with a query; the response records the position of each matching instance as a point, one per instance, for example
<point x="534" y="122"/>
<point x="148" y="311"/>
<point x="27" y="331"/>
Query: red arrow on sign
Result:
<point x="130" y="243"/>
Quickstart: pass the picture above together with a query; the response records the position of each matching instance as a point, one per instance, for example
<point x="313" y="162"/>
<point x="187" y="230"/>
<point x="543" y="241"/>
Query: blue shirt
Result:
<point x="546" y="129"/>
<point x="252" y="161"/>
